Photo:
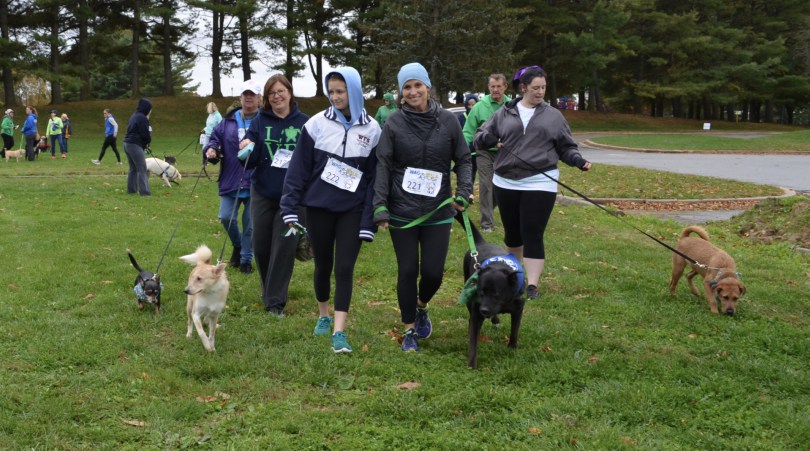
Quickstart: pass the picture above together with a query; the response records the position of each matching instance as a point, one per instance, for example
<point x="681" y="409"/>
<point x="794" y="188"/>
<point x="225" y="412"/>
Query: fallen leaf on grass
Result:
<point x="545" y="348"/>
<point x="593" y="359"/>
<point x="692" y="336"/>
<point x="365" y="348"/>
<point x="89" y="296"/>
<point x="535" y="431"/>
<point x="410" y="385"/>
<point x="484" y="339"/>
<point x="11" y="286"/>
<point x="375" y="303"/>
<point x="122" y="356"/>
<point x="106" y="282"/>
<point x="206" y="398"/>
<point x="136" y="423"/>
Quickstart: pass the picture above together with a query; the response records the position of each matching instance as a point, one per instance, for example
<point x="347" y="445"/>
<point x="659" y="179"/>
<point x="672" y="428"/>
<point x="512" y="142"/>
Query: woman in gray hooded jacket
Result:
<point x="418" y="145"/>
<point x="532" y="137"/>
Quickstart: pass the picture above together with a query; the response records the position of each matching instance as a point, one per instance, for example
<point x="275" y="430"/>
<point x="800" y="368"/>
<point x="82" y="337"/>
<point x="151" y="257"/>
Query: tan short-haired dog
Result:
<point x="721" y="283"/>
<point x="207" y="292"/>
<point x="17" y="154"/>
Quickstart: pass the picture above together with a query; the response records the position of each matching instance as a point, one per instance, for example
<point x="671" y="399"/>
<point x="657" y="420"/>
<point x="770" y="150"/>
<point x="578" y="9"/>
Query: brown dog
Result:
<point x="14" y="154"/>
<point x="721" y="281"/>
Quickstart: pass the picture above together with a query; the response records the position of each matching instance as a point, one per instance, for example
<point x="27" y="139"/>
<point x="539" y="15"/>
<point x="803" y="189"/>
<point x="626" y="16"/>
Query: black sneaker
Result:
<point x="246" y="268"/>
<point x="234" y="262"/>
<point x="532" y="292"/>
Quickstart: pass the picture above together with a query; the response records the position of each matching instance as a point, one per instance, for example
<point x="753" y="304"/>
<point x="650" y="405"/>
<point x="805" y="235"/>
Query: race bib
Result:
<point x="422" y="182"/>
<point x="341" y="175"/>
<point x="282" y="158"/>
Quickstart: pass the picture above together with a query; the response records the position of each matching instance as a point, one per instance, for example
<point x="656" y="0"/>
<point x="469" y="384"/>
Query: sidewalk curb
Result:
<point x="593" y="145"/>
<point x="567" y="200"/>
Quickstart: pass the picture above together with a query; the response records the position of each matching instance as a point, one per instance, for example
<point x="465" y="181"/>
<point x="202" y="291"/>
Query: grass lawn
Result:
<point x="792" y="141"/>
<point x="607" y="359"/>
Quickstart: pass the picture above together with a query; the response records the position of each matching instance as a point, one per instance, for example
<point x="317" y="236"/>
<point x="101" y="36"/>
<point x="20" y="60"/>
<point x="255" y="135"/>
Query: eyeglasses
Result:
<point x="278" y="93"/>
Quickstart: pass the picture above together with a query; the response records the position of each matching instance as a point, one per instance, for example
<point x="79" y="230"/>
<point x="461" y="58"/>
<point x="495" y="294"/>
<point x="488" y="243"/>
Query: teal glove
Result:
<point x="245" y="151"/>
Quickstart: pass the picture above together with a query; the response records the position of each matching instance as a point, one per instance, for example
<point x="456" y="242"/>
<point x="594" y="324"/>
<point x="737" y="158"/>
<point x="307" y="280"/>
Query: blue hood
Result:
<point x="355" y="91"/>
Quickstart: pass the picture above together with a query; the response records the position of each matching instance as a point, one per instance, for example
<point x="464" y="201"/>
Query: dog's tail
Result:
<point x="202" y="255"/>
<point x="477" y="237"/>
<point x="699" y="230"/>
<point x="134" y="263"/>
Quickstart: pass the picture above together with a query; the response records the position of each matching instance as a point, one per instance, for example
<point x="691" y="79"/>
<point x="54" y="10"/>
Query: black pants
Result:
<point x="524" y="215"/>
<point x="8" y="142"/>
<point x="274" y="252"/>
<point x="109" y="141"/>
<point x="30" y="147"/>
<point x="432" y="241"/>
<point x="335" y="239"/>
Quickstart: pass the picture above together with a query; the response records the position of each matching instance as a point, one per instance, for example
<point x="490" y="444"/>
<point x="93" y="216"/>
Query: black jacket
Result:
<point x="431" y="140"/>
<point x="139" y="131"/>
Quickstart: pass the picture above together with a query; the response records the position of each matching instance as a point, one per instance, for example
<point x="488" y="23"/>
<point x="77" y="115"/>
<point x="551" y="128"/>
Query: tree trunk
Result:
<point x="168" y="79"/>
<point x="135" y="50"/>
<point x="289" y="41"/>
<point x="378" y="86"/>
<point x="84" y="50"/>
<point x="245" y="45"/>
<point x="56" y="85"/>
<point x="218" y="32"/>
<point x="8" y="75"/>
<point x="768" y="117"/>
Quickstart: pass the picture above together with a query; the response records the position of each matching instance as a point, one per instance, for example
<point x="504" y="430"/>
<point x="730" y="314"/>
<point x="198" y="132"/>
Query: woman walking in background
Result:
<point x="110" y="137"/>
<point x="137" y="139"/>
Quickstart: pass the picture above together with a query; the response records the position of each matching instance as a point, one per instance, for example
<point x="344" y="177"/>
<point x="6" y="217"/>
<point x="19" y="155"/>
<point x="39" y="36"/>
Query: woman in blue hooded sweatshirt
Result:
<point x="331" y="173"/>
<point x="138" y="137"/>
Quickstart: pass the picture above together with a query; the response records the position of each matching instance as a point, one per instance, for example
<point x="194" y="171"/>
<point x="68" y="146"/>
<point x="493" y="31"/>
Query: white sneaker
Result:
<point x="96" y="162"/>
<point x="119" y="163"/>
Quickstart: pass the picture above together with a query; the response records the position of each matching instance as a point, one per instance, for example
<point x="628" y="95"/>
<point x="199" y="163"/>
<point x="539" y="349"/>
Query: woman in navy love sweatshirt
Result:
<point x="274" y="133"/>
<point x="331" y="173"/>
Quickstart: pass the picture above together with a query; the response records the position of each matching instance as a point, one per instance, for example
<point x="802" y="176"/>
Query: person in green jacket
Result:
<point x="54" y="130"/>
<point x="384" y="111"/>
<point x="7" y="131"/>
<point x="485" y="158"/>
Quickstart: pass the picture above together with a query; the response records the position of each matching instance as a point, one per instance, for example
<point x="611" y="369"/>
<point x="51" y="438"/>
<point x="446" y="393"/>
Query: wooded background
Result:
<point x="702" y="59"/>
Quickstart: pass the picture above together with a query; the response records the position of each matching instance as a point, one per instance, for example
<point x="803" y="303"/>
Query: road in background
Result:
<point x="788" y="171"/>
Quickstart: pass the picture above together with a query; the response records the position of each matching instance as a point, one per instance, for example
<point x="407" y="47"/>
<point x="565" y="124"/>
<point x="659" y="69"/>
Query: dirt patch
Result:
<point x="775" y="220"/>
<point x="709" y="205"/>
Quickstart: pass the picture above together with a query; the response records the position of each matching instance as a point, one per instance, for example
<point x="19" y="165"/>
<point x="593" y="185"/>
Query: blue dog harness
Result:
<point x="513" y="263"/>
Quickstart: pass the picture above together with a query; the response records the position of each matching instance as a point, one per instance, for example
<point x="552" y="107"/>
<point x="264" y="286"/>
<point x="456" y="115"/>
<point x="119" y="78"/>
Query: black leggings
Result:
<point x="109" y="141"/>
<point x="524" y="215"/>
<point x="335" y="239"/>
<point x="8" y="142"/>
<point x="433" y="242"/>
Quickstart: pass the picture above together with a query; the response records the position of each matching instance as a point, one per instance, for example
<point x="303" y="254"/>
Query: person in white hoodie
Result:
<point x="332" y="173"/>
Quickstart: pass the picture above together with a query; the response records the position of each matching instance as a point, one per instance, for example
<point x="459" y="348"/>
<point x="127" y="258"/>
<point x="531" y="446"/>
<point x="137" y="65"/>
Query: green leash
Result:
<point x="426" y="216"/>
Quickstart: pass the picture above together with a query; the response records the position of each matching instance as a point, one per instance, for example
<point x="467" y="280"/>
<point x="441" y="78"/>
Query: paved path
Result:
<point x="788" y="171"/>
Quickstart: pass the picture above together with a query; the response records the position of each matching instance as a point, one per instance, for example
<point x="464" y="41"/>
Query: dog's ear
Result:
<point x="191" y="259"/>
<point x="219" y="269"/>
<point x="742" y="288"/>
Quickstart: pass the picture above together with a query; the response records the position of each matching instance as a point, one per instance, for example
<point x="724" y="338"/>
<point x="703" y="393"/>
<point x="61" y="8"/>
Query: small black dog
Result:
<point x="170" y="159"/>
<point x="500" y="288"/>
<point x="147" y="286"/>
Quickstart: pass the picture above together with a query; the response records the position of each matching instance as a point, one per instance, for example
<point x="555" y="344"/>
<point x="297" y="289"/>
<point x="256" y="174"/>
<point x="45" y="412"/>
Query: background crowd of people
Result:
<point x="334" y="178"/>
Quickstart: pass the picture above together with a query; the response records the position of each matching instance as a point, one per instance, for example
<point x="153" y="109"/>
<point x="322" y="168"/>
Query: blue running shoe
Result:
<point x="422" y="324"/>
<point x="409" y="341"/>
<point x="324" y="326"/>
<point x="339" y="343"/>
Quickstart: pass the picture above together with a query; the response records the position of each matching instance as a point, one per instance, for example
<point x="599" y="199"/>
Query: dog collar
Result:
<point x="511" y="261"/>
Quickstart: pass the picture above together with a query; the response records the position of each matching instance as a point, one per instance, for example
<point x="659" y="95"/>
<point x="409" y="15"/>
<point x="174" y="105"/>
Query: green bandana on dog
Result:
<point x="469" y="294"/>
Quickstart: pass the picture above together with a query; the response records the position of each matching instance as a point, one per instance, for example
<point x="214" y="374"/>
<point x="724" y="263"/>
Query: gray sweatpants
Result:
<point x="137" y="178"/>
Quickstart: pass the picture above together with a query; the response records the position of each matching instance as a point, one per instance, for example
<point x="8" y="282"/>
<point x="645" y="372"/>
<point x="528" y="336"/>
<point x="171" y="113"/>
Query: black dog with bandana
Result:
<point x="147" y="286"/>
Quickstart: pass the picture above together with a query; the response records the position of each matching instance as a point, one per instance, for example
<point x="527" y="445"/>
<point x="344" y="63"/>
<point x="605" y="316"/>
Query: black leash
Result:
<point x="166" y="250"/>
<point x="615" y="215"/>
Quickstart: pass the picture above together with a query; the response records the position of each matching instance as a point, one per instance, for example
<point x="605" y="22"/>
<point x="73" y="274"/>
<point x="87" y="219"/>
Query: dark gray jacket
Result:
<point x="546" y="140"/>
<point x="431" y="140"/>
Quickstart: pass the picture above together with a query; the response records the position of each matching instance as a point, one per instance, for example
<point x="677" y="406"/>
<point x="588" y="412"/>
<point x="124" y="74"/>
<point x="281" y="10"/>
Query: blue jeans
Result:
<point x="57" y="139"/>
<point x="241" y="240"/>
